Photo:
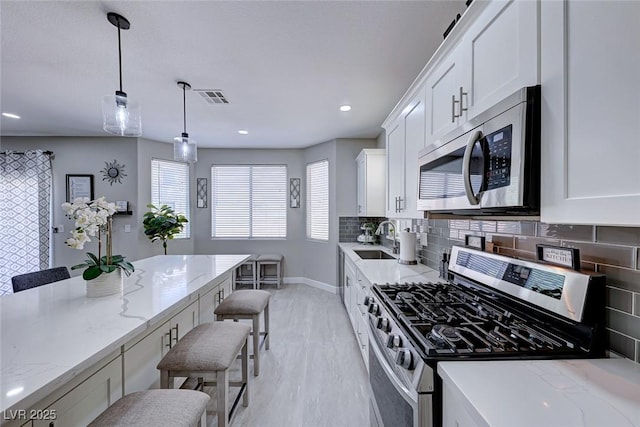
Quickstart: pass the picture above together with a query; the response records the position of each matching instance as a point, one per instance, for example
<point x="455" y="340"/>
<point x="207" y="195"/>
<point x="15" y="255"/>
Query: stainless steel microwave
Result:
<point x="490" y="165"/>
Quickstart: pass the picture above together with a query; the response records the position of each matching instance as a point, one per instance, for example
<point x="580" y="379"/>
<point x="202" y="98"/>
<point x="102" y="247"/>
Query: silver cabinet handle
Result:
<point x="462" y="94"/>
<point x="400" y="208"/>
<point x="175" y="328"/>
<point x="453" y="108"/>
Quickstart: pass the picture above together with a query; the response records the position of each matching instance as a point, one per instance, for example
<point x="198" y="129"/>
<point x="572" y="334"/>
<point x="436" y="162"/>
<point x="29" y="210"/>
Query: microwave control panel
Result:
<point x="498" y="158"/>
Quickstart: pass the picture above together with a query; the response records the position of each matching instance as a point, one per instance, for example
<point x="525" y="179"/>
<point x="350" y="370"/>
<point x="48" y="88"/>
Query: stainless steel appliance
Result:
<point x="494" y="308"/>
<point x="490" y="165"/>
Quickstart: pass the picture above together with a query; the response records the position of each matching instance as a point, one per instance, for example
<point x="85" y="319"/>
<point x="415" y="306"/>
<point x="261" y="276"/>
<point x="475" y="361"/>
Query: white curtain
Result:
<point x="25" y="214"/>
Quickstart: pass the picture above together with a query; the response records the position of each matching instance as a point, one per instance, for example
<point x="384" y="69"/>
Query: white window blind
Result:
<point x="170" y="186"/>
<point x="249" y="201"/>
<point x="318" y="200"/>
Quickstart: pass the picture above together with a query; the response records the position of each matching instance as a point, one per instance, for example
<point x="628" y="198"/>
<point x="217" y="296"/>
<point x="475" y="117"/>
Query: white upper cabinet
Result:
<point x="496" y="55"/>
<point x="405" y="138"/>
<point x="590" y="71"/>
<point x="414" y="140"/>
<point x="443" y="96"/>
<point x="500" y="54"/>
<point x="371" y="182"/>
<point x="395" y="167"/>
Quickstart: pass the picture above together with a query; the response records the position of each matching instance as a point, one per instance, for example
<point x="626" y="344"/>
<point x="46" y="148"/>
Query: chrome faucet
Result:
<point x="392" y="229"/>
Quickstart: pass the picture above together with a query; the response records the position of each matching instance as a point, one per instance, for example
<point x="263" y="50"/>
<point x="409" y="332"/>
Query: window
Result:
<point x="170" y="186"/>
<point x="318" y="200"/>
<point x="249" y="202"/>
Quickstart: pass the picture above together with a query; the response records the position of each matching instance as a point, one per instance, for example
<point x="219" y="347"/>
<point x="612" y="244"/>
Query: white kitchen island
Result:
<point x="65" y="357"/>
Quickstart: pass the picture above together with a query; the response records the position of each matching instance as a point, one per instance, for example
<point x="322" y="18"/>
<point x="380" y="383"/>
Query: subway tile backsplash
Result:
<point x="613" y="251"/>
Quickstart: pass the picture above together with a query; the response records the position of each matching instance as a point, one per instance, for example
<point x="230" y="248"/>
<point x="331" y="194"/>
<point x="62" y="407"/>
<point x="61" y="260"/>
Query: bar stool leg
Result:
<point x="254" y="267"/>
<point x="245" y="372"/>
<point x="256" y="344"/>
<point x="164" y="379"/>
<point x="222" y="392"/>
<point x="266" y="327"/>
<point x="278" y="272"/>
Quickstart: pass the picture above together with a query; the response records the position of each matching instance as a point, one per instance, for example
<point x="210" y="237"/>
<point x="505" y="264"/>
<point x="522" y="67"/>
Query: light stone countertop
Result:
<point x="51" y="333"/>
<point x="550" y="393"/>
<point x="383" y="271"/>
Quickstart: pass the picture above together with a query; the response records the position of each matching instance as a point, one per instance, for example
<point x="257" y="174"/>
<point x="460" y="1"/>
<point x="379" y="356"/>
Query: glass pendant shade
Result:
<point x="185" y="149"/>
<point x="120" y="115"/>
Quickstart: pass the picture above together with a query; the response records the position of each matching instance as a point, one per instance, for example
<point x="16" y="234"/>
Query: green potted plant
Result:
<point x="103" y="274"/>
<point x="162" y="224"/>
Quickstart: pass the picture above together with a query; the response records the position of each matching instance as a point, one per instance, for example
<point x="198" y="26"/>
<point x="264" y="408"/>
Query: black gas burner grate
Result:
<point x="449" y="319"/>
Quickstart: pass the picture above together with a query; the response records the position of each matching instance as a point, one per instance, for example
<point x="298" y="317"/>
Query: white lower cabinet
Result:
<point x="142" y="357"/>
<point x="86" y="401"/>
<point x="355" y="290"/>
<point x="208" y="301"/>
<point x="454" y="414"/>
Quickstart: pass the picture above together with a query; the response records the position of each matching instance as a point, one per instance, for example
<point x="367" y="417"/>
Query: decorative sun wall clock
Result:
<point x="113" y="172"/>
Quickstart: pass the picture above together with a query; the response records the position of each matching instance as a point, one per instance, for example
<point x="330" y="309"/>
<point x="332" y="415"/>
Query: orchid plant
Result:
<point x="93" y="219"/>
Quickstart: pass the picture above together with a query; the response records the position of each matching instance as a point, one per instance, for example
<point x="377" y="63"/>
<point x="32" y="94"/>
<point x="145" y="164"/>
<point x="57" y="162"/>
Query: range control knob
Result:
<point x="394" y="341"/>
<point x="374" y="309"/>
<point x="368" y="300"/>
<point x="383" y="324"/>
<point x="405" y="359"/>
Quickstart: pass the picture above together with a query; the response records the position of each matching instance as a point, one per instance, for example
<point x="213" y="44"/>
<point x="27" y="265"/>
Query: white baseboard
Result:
<point x="310" y="282"/>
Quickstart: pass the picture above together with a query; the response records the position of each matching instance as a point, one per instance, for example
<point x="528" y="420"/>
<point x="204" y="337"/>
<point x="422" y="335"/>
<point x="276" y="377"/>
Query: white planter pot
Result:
<point x="105" y="284"/>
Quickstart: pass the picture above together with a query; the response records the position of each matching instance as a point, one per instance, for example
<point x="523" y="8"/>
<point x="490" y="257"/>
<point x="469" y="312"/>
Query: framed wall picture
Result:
<point x="294" y="192"/>
<point x="201" y="192"/>
<point x="79" y="186"/>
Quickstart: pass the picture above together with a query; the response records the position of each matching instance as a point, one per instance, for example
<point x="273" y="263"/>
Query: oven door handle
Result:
<point x="410" y="396"/>
<point x="466" y="168"/>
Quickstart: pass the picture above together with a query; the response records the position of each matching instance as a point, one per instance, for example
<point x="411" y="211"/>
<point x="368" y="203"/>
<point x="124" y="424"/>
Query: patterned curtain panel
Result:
<point x="25" y="214"/>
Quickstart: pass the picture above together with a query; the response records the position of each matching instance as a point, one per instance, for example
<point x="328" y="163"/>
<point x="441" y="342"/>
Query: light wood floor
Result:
<point x="313" y="374"/>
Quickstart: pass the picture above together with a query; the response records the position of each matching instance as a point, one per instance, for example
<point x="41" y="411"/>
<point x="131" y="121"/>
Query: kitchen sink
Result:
<point x="373" y="254"/>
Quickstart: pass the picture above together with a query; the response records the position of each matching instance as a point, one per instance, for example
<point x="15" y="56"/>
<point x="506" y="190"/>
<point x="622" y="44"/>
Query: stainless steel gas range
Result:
<point x="494" y="308"/>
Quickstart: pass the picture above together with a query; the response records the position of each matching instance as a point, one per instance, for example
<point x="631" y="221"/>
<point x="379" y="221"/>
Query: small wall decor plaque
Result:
<point x="294" y="192"/>
<point x="113" y="172"/>
<point x="559" y="255"/>
<point x="476" y="242"/>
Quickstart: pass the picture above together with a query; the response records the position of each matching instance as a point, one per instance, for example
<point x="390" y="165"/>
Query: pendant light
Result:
<point x="120" y="115"/>
<point x="185" y="149"/>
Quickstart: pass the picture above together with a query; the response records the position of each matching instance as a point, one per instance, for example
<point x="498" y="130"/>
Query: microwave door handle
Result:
<point x="466" y="167"/>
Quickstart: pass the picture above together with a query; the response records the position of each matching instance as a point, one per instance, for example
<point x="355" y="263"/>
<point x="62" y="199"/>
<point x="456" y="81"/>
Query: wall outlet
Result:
<point x="58" y="228"/>
<point x="127" y="228"/>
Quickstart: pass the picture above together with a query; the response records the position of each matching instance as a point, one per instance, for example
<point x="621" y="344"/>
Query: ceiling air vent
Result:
<point x="213" y="96"/>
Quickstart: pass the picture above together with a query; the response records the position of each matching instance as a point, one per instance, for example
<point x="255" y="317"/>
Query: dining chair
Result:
<point x="38" y="278"/>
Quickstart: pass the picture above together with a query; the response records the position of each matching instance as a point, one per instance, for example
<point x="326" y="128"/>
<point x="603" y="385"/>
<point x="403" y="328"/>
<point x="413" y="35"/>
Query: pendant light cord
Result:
<point x="184" y="104"/>
<point x="119" y="56"/>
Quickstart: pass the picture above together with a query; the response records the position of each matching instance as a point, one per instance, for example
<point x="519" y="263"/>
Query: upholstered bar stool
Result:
<point x="248" y="304"/>
<point x="152" y="408"/>
<point x="209" y="350"/>
<point x="242" y="277"/>
<point x="262" y="263"/>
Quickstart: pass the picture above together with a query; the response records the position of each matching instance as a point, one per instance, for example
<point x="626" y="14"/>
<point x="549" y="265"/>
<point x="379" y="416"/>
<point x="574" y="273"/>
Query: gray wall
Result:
<point x="291" y="247"/>
<point x="303" y="258"/>
<point x="78" y="155"/>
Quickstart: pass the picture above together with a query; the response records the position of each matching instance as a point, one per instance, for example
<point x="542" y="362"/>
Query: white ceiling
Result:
<point x="286" y="67"/>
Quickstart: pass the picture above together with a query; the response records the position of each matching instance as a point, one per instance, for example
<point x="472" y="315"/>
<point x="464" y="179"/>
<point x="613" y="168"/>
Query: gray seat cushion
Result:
<point x="244" y="302"/>
<point x="152" y="408"/>
<point x="206" y="348"/>
<point x="270" y="257"/>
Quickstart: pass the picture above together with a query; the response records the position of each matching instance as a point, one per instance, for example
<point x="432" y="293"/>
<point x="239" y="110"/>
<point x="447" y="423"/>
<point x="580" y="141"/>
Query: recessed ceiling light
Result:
<point x="11" y="115"/>
<point x="345" y="107"/>
<point x="243" y="132"/>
